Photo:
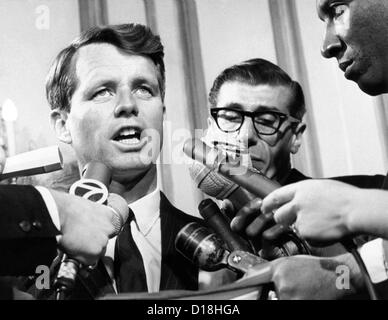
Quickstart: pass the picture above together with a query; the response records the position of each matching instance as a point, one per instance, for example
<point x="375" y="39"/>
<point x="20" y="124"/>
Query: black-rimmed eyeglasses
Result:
<point x="265" y="122"/>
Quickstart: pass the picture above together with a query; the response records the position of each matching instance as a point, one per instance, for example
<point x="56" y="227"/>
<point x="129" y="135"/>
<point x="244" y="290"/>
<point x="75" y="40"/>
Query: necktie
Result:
<point x="128" y="264"/>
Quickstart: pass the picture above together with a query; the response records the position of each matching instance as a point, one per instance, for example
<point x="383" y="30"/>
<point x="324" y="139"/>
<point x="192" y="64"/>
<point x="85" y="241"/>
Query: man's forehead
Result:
<point x="255" y="97"/>
<point x="240" y="90"/>
<point x="100" y="56"/>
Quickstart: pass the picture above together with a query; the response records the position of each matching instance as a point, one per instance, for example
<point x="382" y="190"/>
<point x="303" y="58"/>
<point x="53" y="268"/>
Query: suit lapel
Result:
<point x="168" y="227"/>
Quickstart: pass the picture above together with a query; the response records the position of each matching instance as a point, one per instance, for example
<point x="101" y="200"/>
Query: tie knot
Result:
<point x="131" y="215"/>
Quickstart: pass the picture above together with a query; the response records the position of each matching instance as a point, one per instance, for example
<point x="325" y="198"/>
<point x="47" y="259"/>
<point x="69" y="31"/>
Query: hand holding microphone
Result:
<point x="321" y="210"/>
<point x="86" y="226"/>
<point x="91" y="231"/>
<point x="247" y="186"/>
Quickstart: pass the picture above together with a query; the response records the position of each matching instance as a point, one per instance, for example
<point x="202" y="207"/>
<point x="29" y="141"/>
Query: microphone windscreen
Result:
<point x="210" y="182"/>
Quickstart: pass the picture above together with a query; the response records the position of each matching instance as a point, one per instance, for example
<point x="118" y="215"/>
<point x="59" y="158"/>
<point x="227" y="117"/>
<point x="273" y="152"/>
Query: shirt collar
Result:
<point x="146" y="211"/>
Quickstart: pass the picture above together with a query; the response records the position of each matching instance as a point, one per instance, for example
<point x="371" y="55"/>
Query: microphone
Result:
<point x="202" y="247"/>
<point x="209" y="210"/>
<point x="207" y="251"/>
<point x="29" y="163"/>
<point x="248" y="178"/>
<point x="219" y="187"/>
<point x="93" y="186"/>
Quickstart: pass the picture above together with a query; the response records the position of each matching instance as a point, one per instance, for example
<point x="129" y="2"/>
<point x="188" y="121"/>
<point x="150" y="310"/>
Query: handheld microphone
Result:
<point x="202" y="247"/>
<point x="208" y="252"/>
<point x="219" y="187"/>
<point x="29" y="163"/>
<point x="209" y="210"/>
<point x="93" y="186"/>
<point x="248" y="178"/>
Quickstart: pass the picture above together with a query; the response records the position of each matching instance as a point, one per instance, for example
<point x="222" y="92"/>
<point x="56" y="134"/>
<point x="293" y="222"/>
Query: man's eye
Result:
<point x="337" y="10"/>
<point x="103" y="93"/>
<point x="229" y="116"/>
<point x="266" y="120"/>
<point x="144" y="92"/>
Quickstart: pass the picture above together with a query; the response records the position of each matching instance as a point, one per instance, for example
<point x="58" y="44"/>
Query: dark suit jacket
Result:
<point x="27" y="233"/>
<point x="176" y="271"/>
<point x="361" y="181"/>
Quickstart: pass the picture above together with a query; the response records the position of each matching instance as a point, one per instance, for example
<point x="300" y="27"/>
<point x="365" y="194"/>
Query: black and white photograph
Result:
<point x="165" y="152"/>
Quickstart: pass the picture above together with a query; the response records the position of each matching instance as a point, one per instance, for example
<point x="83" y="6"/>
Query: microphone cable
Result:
<point x="351" y="247"/>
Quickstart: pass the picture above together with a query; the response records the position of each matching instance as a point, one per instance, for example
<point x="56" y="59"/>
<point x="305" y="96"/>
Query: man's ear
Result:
<point x="297" y="137"/>
<point x="210" y="122"/>
<point x="58" y="121"/>
<point x="164" y="112"/>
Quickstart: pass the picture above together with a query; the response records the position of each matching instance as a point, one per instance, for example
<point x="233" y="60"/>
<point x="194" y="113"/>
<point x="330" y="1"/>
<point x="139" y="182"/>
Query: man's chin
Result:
<point x="129" y="172"/>
<point x="373" y="89"/>
<point x="138" y="164"/>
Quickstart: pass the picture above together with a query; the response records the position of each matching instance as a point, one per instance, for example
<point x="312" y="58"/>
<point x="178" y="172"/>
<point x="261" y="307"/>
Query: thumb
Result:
<point x="120" y="209"/>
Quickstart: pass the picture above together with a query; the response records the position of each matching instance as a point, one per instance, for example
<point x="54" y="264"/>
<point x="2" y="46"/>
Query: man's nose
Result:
<point x="248" y="133"/>
<point x="126" y="105"/>
<point x="332" y="45"/>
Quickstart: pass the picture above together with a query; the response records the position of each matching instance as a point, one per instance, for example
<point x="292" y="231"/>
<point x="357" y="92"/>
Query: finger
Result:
<point x="246" y="215"/>
<point x="120" y="212"/>
<point x="275" y="233"/>
<point x="277" y="198"/>
<point x="271" y="253"/>
<point x="259" y="225"/>
<point x="286" y="214"/>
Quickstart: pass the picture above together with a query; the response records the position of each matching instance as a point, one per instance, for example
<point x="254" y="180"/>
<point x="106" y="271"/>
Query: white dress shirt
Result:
<point x="372" y="253"/>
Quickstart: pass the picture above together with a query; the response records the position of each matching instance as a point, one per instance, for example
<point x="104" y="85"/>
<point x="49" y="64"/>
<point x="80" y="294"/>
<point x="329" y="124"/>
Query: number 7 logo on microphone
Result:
<point x="90" y="189"/>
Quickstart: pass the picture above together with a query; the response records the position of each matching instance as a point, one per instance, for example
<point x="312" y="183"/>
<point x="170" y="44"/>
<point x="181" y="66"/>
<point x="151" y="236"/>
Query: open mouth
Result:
<point x="347" y="68"/>
<point x="128" y="136"/>
<point x="344" y="65"/>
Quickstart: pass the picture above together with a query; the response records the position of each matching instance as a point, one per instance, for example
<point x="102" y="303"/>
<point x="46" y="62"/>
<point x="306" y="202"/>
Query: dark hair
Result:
<point x="131" y="38"/>
<point x="256" y="72"/>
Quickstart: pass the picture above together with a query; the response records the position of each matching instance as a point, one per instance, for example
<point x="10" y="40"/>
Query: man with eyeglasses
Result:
<point x="261" y="108"/>
<point x="257" y="106"/>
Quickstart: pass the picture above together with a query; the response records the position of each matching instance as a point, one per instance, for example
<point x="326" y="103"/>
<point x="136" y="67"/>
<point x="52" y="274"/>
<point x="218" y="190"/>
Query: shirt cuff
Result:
<point x="372" y="253"/>
<point x="51" y="205"/>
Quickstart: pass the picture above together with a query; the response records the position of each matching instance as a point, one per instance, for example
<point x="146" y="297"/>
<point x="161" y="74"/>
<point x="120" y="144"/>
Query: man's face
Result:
<point x="269" y="153"/>
<point x="116" y="113"/>
<point x="356" y="35"/>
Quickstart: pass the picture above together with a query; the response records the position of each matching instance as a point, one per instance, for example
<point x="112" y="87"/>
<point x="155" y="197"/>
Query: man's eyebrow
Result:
<point x="258" y="108"/>
<point x="233" y="105"/>
<point x="323" y="8"/>
<point x="145" y="80"/>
